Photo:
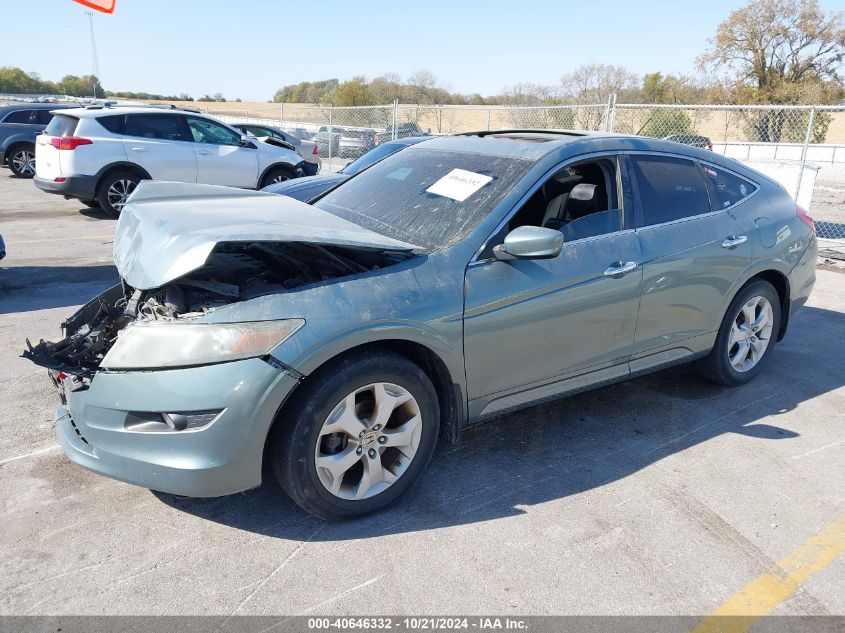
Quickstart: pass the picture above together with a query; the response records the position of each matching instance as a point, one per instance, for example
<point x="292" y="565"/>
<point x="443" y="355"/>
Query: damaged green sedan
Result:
<point x="455" y="281"/>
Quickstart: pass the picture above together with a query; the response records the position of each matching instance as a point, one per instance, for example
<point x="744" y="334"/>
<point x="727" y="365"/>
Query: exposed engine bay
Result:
<point x="234" y="272"/>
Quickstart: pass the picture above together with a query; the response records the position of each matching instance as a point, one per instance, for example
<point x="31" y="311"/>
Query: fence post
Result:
<point x="331" y="110"/>
<point x="807" y="137"/>
<point x="610" y="112"/>
<point x="395" y="111"/>
<point x="282" y="114"/>
<point x="489" y="112"/>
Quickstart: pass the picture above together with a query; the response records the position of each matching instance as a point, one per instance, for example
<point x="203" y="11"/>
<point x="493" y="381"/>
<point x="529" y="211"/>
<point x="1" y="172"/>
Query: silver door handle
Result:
<point x="732" y="241"/>
<point x="620" y="268"/>
<point x="203" y="152"/>
<point x="137" y="149"/>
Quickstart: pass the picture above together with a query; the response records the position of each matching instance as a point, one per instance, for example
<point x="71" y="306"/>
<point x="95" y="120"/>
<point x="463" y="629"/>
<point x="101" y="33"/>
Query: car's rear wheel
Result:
<point x="22" y="161"/>
<point x="276" y="175"/>
<point x="746" y="338"/>
<point x="359" y="434"/>
<point x="115" y="189"/>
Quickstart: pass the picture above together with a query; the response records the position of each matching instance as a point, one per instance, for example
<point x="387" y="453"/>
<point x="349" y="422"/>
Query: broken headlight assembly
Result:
<point x="162" y="345"/>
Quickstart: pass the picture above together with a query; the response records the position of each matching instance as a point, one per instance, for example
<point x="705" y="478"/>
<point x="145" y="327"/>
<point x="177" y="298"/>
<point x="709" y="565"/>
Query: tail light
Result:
<point x="316" y="151"/>
<point x="69" y="142"/>
<point x="802" y="214"/>
<point x="710" y="146"/>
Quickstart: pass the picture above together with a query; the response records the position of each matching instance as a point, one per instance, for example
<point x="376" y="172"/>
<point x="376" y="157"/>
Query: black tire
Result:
<point x="21" y="160"/>
<point x="105" y="196"/>
<point x="91" y="204"/>
<point x="295" y="437"/>
<point x="716" y="366"/>
<point x="277" y="175"/>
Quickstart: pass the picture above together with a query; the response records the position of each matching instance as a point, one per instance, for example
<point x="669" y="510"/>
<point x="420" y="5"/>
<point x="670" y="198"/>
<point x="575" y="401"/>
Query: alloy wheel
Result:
<point x="119" y="191"/>
<point x="24" y="162"/>
<point x="368" y="441"/>
<point x="751" y="333"/>
<point x="278" y="178"/>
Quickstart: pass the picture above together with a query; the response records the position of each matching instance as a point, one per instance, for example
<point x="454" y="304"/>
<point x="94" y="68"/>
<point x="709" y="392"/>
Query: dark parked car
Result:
<point x="454" y="281"/>
<point x="323" y="139"/>
<point x="354" y="143"/>
<point x="20" y="124"/>
<point x="310" y="187"/>
<point x="2" y="248"/>
<point x="693" y="140"/>
<point x="299" y="132"/>
<point x="403" y="130"/>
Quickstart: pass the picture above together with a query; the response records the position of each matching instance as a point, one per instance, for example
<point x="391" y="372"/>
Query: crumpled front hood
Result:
<point x="168" y="229"/>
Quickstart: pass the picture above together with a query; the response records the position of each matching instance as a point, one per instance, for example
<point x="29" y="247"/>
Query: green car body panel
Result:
<point x="503" y="334"/>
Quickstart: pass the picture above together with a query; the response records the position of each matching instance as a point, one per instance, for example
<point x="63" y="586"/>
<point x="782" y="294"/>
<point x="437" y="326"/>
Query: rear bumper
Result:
<point x="802" y="279"/>
<point x="82" y="187"/>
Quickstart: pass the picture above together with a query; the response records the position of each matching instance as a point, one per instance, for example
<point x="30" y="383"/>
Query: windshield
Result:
<point x="371" y="157"/>
<point x="426" y="197"/>
<point x="61" y="125"/>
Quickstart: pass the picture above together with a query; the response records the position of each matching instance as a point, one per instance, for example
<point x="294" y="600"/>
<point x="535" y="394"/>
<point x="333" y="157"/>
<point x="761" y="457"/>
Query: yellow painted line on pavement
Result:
<point x="68" y="239"/>
<point x="760" y="597"/>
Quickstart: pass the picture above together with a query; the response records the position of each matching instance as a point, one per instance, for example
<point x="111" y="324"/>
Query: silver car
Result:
<point x="457" y="280"/>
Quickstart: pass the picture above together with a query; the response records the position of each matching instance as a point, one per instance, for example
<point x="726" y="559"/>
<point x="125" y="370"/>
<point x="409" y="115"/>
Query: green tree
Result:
<point x="352" y="93"/>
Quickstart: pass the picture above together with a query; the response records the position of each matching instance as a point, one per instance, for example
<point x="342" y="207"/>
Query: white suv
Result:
<point x="99" y="154"/>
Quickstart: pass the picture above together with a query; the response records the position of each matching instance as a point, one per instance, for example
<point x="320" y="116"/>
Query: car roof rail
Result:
<point x="483" y="133"/>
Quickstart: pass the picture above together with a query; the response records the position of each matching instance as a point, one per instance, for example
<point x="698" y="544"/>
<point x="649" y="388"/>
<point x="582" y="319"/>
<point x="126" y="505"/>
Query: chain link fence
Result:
<point x="802" y="147"/>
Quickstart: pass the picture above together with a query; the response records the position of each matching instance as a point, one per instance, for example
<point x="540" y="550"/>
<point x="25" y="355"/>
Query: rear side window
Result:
<point x="154" y="126"/>
<point x="726" y="189"/>
<point x="116" y="124"/>
<point x="62" y="125"/>
<point x="670" y="188"/>
<point x="42" y="117"/>
<point x="19" y="116"/>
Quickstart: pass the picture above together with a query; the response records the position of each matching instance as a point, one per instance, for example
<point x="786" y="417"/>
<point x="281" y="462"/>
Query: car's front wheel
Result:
<point x="114" y="190"/>
<point x="360" y="432"/>
<point x="22" y="161"/>
<point x="746" y="338"/>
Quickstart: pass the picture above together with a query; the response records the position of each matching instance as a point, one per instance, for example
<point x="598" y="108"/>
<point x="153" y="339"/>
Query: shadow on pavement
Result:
<point x="563" y="448"/>
<point x="27" y="288"/>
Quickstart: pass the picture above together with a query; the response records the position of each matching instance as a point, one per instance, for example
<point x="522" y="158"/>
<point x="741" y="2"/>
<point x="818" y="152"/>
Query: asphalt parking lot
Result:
<point x="661" y="495"/>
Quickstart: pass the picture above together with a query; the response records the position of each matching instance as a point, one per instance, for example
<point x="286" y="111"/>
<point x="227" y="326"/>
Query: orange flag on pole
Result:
<point x="105" y="6"/>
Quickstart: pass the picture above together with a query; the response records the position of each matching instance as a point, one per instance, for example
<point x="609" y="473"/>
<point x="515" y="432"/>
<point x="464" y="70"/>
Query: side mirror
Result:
<point x="530" y="242"/>
<point x="246" y="142"/>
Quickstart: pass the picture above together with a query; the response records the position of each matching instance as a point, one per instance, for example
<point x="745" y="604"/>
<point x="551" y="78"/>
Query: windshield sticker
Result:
<point x="459" y="184"/>
<point x="400" y="174"/>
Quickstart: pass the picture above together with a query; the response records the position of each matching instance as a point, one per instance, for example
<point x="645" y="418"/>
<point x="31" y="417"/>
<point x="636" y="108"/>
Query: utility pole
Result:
<point x="95" y="65"/>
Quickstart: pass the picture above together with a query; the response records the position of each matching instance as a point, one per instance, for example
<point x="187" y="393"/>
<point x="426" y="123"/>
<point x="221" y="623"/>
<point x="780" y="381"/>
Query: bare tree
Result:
<point x="421" y="87"/>
<point x="527" y="94"/>
<point x="594" y="83"/>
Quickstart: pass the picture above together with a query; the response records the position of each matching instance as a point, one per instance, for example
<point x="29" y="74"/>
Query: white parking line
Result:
<point x="68" y="239"/>
<point x="818" y="450"/>
<point x="40" y="451"/>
